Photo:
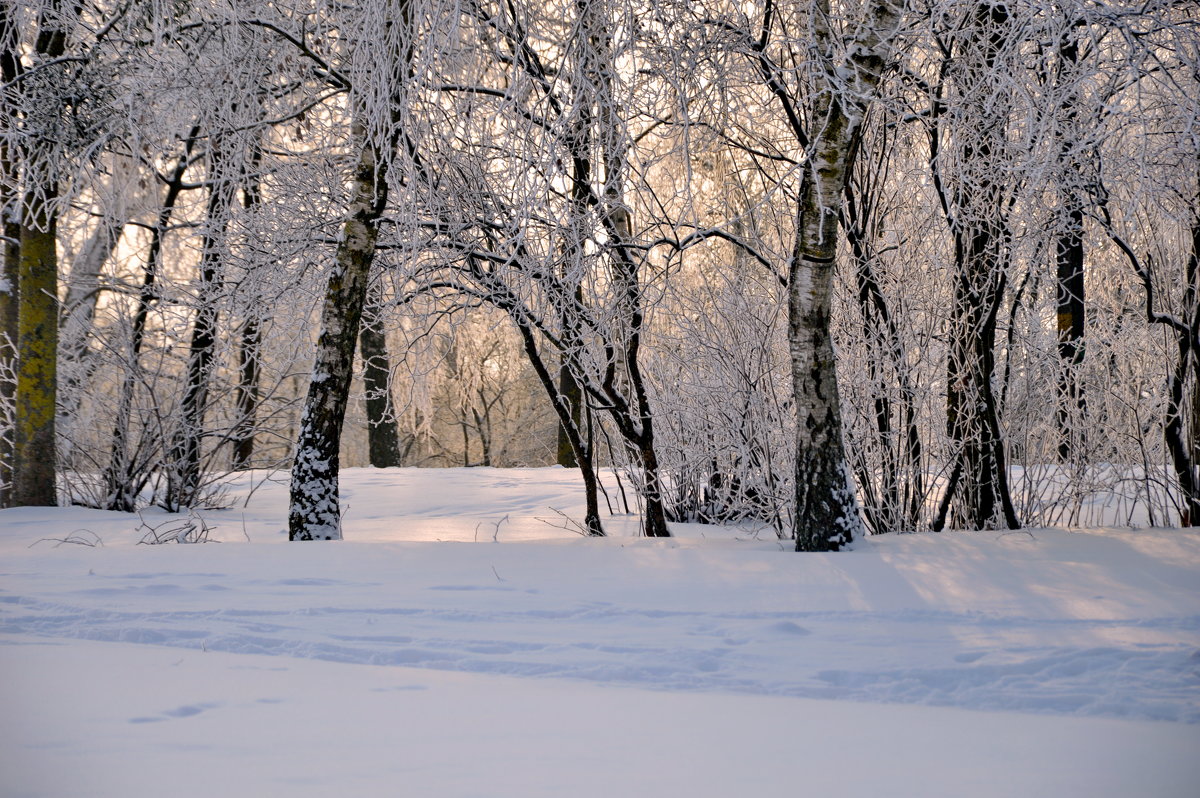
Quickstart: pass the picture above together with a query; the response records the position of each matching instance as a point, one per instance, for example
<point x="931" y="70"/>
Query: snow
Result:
<point x="462" y="641"/>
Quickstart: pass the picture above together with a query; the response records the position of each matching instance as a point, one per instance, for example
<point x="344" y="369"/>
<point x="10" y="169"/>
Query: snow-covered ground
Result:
<point x="463" y="641"/>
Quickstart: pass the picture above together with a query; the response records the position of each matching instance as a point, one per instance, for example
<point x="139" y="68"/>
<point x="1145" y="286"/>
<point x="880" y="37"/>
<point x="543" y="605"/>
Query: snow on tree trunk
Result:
<point x="314" y="513"/>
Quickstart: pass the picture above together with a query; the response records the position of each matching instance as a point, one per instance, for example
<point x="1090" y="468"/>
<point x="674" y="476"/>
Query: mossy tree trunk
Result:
<point x="35" y="458"/>
<point x="35" y="477"/>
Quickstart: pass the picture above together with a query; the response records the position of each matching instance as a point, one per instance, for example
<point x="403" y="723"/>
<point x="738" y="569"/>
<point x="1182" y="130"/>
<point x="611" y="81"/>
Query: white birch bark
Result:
<point x="827" y="515"/>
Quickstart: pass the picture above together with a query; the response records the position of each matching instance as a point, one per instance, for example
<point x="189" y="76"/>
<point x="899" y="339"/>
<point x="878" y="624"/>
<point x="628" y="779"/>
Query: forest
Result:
<point x="819" y="268"/>
<point x="573" y="320"/>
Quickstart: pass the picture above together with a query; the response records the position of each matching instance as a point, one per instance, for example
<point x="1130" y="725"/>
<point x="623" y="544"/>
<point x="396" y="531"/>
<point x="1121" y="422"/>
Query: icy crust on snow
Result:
<point x="1093" y="623"/>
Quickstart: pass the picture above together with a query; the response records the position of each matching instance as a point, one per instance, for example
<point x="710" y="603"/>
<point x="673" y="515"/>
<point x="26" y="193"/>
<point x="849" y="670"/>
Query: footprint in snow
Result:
<point x="185" y="711"/>
<point x="310" y="582"/>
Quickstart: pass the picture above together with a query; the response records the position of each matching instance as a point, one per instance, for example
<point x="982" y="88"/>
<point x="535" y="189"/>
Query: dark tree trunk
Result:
<point x="580" y="444"/>
<point x="246" y="394"/>
<point x="383" y="437"/>
<point x="314" y="513"/>
<point x="635" y="420"/>
<point x="9" y="269"/>
<point x="1069" y="258"/>
<point x="983" y="500"/>
<point x="483" y="428"/>
<point x="568" y="388"/>
<point x="1072" y="404"/>
<point x="121" y="481"/>
<point x="1187" y="365"/>
<point x="901" y="493"/>
<point x="652" y="488"/>
<point x="579" y="145"/>
<point x="183" y="475"/>
<point x="979" y="496"/>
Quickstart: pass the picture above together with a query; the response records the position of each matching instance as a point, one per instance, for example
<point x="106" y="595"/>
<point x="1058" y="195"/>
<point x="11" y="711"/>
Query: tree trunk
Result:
<point x="568" y="388"/>
<point x="826" y="511"/>
<point x="826" y="515"/>
<point x="625" y="261"/>
<point x="1072" y="404"/>
<point x="35" y="457"/>
<point x="635" y="419"/>
<point x="183" y="475"/>
<point x="979" y="497"/>
<point x="580" y="444"/>
<point x="383" y="436"/>
<point x="314" y="513"/>
<point x="1187" y="365"/>
<point x="35" y="478"/>
<point x="246" y="395"/>
<point x="10" y="267"/>
<point x="983" y="498"/>
<point x="1069" y="255"/>
<point x="121" y="485"/>
<point x="484" y="431"/>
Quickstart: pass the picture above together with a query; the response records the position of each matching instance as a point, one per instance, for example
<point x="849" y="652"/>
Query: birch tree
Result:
<point x="820" y="67"/>
<point x="314" y="512"/>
